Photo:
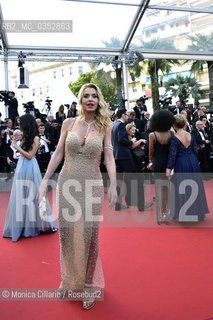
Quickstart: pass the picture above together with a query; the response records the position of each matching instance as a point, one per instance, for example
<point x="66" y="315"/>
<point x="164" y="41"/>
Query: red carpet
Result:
<point x="151" y="272"/>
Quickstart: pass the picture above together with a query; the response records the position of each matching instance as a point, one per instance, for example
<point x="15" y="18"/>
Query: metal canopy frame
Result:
<point x="101" y="55"/>
<point x="37" y="53"/>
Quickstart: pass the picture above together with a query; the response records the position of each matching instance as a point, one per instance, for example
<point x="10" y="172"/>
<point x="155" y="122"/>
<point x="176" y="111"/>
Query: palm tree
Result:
<point x="116" y="43"/>
<point x="154" y="65"/>
<point x="202" y="42"/>
<point x="182" y="87"/>
<point x="103" y="79"/>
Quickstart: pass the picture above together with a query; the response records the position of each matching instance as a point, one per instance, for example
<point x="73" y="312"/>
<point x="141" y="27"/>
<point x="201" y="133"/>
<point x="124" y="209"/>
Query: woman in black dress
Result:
<point x="160" y="123"/>
<point x="60" y="115"/>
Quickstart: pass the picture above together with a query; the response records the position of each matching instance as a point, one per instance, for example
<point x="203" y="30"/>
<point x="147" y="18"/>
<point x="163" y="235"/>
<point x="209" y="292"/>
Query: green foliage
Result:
<point x="84" y="78"/>
<point x="182" y="87"/>
<point x="113" y="43"/>
<point x="102" y="79"/>
<point x="107" y="85"/>
<point x="200" y="42"/>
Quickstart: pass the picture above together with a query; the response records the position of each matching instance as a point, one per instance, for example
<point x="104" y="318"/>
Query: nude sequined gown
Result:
<point x="79" y="182"/>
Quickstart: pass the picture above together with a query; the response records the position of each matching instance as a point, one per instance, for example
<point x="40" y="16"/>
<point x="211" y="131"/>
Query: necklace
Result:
<point x="88" y="128"/>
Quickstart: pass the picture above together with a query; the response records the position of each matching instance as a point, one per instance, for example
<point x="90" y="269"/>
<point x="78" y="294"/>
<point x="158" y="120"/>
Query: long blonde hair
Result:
<point x="60" y="112"/>
<point x="129" y="126"/>
<point x="102" y="115"/>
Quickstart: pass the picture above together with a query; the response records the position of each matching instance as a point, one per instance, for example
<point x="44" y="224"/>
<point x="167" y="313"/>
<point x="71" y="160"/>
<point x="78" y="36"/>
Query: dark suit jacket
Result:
<point x="144" y="123"/>
<point x="10" y="153"/>
<point x="138" y="124"/>
<point x="175" y="110"/>
<point x="54" y="135"/>
<point x="12" y="108"/>
<point x="120" y="141"/>
<point x="197" y="136"/>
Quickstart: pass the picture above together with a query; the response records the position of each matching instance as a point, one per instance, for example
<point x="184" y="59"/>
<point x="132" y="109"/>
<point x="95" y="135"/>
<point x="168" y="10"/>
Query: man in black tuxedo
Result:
<point x="203" y="144"/>
<point x="123" y="158"/>
<point x="11" y="153"/>
<point x="145" y="121"/>
<point x="8" y="132"/>
<point x="199" y="116"/>
<point x="12" y="104"/>
<point x="140" y="109"/>
<point x="177" y="109"/>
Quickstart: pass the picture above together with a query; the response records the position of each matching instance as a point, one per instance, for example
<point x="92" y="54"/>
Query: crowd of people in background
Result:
<point x="198" y="123"/>
<point x="49" y="133"/>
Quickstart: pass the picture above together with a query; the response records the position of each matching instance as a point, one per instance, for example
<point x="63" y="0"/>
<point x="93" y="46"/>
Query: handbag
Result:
<point x="138" y="153"/>
<point x="43" y="208"/>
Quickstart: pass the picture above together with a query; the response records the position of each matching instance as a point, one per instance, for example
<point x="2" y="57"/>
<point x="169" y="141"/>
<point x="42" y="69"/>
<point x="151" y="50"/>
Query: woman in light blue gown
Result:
<point x="23" y="217"/>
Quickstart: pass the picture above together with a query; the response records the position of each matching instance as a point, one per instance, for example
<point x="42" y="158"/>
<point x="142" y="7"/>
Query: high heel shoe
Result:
<point x="88" y="304"/>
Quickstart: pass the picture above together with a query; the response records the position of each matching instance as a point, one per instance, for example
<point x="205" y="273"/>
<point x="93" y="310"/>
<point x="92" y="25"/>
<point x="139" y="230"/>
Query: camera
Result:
<point x="143" y="99"/>
<point x="29" y="106"/>
<point x="41" y="149"/>
<point x="4" y="94"/>
<point x="209" y="111"/>
<point x="183" y="100"/>
<point x="48" y="102"/>
<point x="12" y="165"/>
<point x="164" y="102"/>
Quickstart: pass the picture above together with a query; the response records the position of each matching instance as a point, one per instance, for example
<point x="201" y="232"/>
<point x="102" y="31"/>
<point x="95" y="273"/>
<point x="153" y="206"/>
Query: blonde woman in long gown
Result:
<point x="81" y="143"/>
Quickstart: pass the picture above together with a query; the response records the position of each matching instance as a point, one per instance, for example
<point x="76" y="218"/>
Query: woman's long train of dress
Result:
<point x="23" y="217"/>
<point x="79" y="184"/>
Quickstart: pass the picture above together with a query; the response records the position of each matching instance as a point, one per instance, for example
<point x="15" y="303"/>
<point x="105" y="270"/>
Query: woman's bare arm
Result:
<point x="151" y="146"/>
<point x="137" y="143"/>
<point x="27" y="154"/>
<point x="55" y="160"/>
<point x="110" y="165"/>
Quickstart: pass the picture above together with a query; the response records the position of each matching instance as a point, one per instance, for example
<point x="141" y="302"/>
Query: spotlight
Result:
<point x="116" y="63"/>
<point x="130" y="58"/>
<point x="139" y="55"/>
<point x="131" y="55"/>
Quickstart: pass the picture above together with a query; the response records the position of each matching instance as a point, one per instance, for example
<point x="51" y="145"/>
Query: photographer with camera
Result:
<point x="30" y="108"/>
<point x="12" y="154"/>
<point x="165" y="103"/>
<point x="47" y="109"/>
<point x="12" y="103"/>
<point x="140" y="108"/>
<point x="1" y="122"/>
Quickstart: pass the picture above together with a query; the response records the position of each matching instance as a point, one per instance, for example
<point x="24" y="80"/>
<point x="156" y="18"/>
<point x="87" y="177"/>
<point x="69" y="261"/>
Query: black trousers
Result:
<point x="133" y="182"/>
<point x="43" y="161"/>
<point x="203" y="160"/>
